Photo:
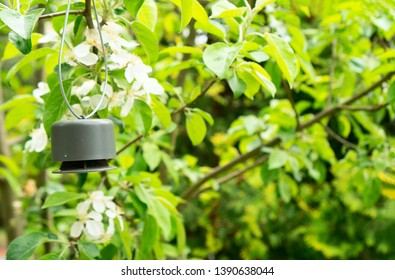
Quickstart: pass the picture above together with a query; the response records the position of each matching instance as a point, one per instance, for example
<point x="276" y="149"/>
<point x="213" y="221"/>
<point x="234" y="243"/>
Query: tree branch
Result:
<point x="62" y="13"/>
<point x="193" y="189"/>
<point x="338" y="138"/>
<point x="88" y="14"/>
<point x="127" y="145"/>
<point x="364" y="108"/>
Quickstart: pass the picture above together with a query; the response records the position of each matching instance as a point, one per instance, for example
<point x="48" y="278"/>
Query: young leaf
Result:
<point x="148" y="14"/>
<point x="34" y="55"/>
<point x="236" y="84"/>
<point x="205" y="115"/>
<point x="196" y="128"/>
<point x="89" y="249"/>
<point x="284" y="56"/>
<point x="161" y="215"/>
<point x="151" y="155"/>
<point x="186" y="13"/>
<point x="284" y="189"/>
<point x="23" y="247"/>
<point x="147" y="39"/>
<point x="133" y="6"/>
<point x="161" y="112"/>
<point x="277" y="159"/>
<point x="55" y="107"/>
<point x="23" y="45"/>
<point x="60" y="198"/>
<point x="22" y="25"/>
<point x="150" y="233"/>
<point x="391" y="95"/>
<point x="142" y="114"/>
<point x="219" y="57"/>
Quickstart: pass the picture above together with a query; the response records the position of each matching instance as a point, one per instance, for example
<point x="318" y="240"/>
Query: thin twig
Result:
<point x="62" y="13"/>
<point x="127" y="145"/>
<point x="372" y="108"/>
<point x="209" y="84"/>
<point x="338" y="138"/>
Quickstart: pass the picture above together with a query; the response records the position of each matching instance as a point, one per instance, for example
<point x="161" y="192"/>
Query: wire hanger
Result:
<point x="103" y="88"/>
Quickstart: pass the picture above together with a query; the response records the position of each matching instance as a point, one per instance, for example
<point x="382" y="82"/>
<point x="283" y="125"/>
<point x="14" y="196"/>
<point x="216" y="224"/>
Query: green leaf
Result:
<point x="147" y="39"/>
<point x="284" y="189"/>
<point x="260" y="4"/>
<point x="23" y="45"/>
<point x="142" y="114"/>
<point x="236" y="84"/>
<point x="161" y="112"/>
<point x="149" y="234"/>
<point x="268" y="175"/>
<point x="148" y="14"/>
<point x="89" y="249"/>
<point x="22" y="25"/>
<point x="219" y="57"/>
<point x="262" y="77"/>
<point x="28" y="59"/>
<point x="371" y="192"/>
<point x="60" y="198"/>
<point x="55" y="107"/>
<point x="23" y="247"/>
<point x="250" y="81"/>
<point x="284" y="56"/>
<point x="391" y="95"/>
<point x="151" y="155"/>
<point x="205" y="115"/>
<point x="196" y="128"/>
<point x="225" y="9"/>
<point x="161" y="215"/>
<point x="277" y="159"/>
<point x="186" y="13"/>
<point x="133" y="6"/>
<point x="181" y="237"/>
<point x="51" y="257"/>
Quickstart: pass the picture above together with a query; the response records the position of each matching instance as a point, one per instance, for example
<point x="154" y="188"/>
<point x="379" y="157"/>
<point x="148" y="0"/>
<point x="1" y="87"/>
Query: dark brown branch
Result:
<point x="237" y="173"/>
<point x="365" y="108"/>
<point x="62" y="13"/>
<point x="88" y="14"/>
<point x="193" y="189"/>
<point x="127" y="145"/>
<point x="338" y="138"/>
<point x="209" y="84"/>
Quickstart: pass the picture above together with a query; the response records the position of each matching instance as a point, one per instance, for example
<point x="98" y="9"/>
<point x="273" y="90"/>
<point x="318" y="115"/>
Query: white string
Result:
<point x="103" y="88"/>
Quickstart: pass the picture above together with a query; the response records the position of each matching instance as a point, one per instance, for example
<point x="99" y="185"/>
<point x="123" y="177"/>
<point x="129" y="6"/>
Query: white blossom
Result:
<point x="96" y="217"/>
<point x="89" y="223"/>
<point x="84" y="88"/>
<point x="83" y="54"/>
<point x="38" y="141"/>
<point x="42" y="89"/>
<point x="137" y="70"/>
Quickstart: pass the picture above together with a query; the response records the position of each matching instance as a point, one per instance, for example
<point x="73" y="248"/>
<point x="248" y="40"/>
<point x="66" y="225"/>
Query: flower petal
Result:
<point x="94" y="228"/>
<point x="95" y="216"/>
<point x="82" y="208"/>
<point x="127" y="106"/>
<point x="99" y="206"/>
<point x="76" y="229"/>
<point x="89" y="60"/>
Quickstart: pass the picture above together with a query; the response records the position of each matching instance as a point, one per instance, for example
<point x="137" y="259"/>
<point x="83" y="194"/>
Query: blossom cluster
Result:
<point x="96" y="217"/>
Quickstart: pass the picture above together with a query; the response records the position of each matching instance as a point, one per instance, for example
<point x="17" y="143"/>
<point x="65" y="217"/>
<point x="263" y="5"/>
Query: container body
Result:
<point x="83" y="139"/>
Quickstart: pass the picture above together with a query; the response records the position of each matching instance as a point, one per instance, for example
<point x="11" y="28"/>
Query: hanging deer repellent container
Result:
<point x="82" y="145"/>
